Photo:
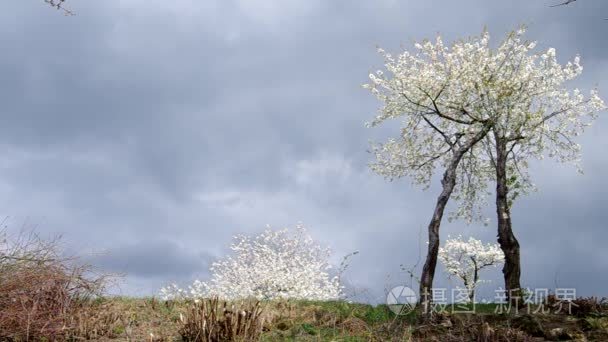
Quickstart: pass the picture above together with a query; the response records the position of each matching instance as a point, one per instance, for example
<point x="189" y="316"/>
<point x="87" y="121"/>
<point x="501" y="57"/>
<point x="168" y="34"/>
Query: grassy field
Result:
<point x="148" y="319"/>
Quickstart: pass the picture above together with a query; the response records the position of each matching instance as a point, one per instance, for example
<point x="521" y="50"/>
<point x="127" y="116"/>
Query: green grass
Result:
<point x="292" y="320"/>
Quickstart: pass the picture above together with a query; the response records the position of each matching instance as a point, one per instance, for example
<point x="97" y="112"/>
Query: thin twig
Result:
<point x="58" y="4"/>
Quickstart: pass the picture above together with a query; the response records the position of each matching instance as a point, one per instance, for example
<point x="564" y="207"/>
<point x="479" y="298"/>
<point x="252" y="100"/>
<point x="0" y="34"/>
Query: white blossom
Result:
<point x="443" y="93"/>
<point x="465" y="259"/>
<point x="172" y="292"/>
<point x="274" y="264"/>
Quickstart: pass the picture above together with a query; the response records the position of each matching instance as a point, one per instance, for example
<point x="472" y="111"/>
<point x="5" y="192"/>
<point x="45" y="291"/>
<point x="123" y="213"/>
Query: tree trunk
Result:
<point x="508" y="243"/>
<point x="475" y="280"/>
<point x="428" y="271"/>
<point x="448" y="182"/>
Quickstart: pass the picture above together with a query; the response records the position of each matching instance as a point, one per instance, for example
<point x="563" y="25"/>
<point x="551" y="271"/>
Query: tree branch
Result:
<point x="445" y="137"/>
<point x="58" y="4"/>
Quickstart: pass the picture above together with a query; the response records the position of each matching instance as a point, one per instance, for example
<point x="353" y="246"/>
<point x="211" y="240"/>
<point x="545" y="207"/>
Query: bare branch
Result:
<point x="567" y="2"/>
<point x="445" y="137"/>
<point x="431" y="159"/>
<point x="58" y="4"/>
<point x="438" y="112"/>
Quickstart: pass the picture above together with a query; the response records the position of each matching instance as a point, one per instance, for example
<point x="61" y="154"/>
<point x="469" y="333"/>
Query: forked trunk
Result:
<point x="448" y="182"/>
<point x="508" y="243"/>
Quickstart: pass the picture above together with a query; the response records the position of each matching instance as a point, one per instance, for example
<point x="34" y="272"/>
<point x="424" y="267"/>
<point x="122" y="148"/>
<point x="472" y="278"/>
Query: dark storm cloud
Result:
<point x="148" y="129"/>
<point x="152" y="259"/>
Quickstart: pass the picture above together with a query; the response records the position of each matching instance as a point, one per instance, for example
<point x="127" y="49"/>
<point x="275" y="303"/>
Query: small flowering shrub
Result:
<point x="273" y="264"/>
<point x="465" y="259"/>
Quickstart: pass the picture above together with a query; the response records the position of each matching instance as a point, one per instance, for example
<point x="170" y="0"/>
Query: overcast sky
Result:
<point x="148" y="133"/>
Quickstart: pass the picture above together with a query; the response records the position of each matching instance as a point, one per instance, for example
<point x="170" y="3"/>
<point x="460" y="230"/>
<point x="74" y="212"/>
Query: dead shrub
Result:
<point x="582" y="306"/>
<point x="40" y="291"/>
<point x="91" y="322"/>
<point x="354" y="325"/>
<point x="212" y="320"/>
<point x="585" y="306"/>
<point x="486" y="333"/>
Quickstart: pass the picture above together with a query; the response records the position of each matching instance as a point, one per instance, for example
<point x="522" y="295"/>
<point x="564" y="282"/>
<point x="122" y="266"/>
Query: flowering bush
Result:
<point x="273" y="264"/>
<point x="465" y="259"/>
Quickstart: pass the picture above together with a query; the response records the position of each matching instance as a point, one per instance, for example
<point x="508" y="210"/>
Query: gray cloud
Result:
<point x="149" y="129"/>
<point x="152" y="259"/>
